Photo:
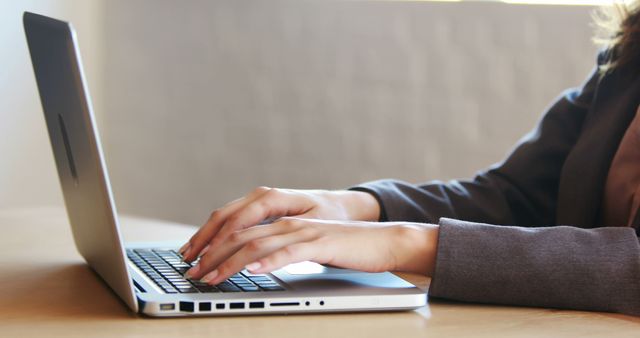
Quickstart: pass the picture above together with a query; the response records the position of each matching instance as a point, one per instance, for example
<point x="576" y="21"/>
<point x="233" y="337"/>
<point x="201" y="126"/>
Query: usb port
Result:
<point x="236" y="305"/>
<point x="167" y="307"/>
<point x="256" y="305"/>
<point x="204" y="306"/>
<point x="186" y="306"/>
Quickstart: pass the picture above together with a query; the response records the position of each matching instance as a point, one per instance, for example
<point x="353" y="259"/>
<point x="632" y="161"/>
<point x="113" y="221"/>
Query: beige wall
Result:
<point x="200" y="101"/>
<point x="27" y="170"/>
<point x="208" y="99"/>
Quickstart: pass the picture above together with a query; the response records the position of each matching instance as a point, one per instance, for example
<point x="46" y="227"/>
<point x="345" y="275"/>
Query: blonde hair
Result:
<point x="618" y="31"/>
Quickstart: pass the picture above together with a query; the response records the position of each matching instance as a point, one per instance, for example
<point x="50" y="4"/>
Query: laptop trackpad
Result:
<point x="309" y="276"/>
<point x="311" y="268"/>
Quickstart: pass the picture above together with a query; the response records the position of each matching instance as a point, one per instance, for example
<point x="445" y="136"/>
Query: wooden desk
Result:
<point x="46" y="290"/>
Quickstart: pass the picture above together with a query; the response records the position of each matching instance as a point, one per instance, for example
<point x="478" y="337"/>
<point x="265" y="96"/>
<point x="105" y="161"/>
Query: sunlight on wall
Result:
<point x="536" y="2"/>
<point x="560" y="2"/>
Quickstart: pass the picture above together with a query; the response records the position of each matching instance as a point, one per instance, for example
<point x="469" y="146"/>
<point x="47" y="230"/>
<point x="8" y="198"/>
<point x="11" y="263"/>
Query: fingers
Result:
<point x="203" y="236"/>
<point x="235" y="242"/>
<point x="264" y="248"/>
<point x="265" y="203"/>
<point x="270" y="205"/>
<point x="253" y="251"/>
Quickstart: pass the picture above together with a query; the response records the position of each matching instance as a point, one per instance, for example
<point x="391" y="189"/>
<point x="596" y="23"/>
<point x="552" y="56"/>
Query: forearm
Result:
<point x="413" y="244"/>
<point x="556" y="267"/>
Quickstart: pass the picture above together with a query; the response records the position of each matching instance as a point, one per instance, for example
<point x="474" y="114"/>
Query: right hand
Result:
<point x="267" y="204"/>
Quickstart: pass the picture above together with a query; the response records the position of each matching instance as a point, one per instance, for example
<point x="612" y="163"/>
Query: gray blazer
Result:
<point x="525" y="231"/>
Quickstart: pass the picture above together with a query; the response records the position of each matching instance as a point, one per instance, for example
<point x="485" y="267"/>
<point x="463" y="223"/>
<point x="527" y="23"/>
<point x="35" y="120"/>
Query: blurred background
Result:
<point x="200" y="101"/>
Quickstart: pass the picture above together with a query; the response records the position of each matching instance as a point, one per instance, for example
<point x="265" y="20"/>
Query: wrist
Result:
<point x="415" y="247"/>
<point x="361" y="206"/>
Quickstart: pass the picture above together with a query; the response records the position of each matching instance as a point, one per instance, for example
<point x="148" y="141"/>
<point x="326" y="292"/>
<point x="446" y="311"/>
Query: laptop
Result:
<point x="148" y="277"/>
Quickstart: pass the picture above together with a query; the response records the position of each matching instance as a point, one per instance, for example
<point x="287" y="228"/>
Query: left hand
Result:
<point x="364" y="246"/>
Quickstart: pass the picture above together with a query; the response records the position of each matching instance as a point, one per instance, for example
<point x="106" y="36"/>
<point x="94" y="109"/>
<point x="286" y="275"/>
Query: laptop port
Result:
<point x="204" y="307"/>
<point x="167" y="307"/>
<point x="186" y="306"/>
<point x="220" y="306"/>
<point x="285" y="304"/>
<point x="256" y="305"/>
<point x="236" y="305"/>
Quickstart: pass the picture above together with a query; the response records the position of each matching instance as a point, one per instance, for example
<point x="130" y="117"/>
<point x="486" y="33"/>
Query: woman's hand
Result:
<point x="365" y="246"/>
<point x="267" y="204"/>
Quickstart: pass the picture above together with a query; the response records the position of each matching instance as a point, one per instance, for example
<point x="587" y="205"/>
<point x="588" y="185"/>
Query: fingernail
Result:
<point x="209" y="277"/>
<point x="186" y="253"/>
<point x="204" y="251"/>
<point x="253" y="266"/>
<point x="184" y="247"/>
<point x="193" y="271"/>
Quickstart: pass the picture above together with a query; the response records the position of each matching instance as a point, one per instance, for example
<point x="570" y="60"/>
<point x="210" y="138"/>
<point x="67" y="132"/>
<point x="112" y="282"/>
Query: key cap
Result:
<point x="208" y="289"/>
<point x="184" y="288"/>
<point x="250" y="288"/>
<point x="189" y="290"/>
<point x="227" y="287"/>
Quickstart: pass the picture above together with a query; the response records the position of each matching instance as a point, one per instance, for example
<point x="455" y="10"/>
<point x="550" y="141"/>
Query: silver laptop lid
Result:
<point x="77" y="151"/>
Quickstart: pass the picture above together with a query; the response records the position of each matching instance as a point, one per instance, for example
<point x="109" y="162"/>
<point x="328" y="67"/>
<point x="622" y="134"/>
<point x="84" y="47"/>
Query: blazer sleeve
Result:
<point x="555" y="267"/>
<point x="522" y="190"/>
<point x="524" y="260"/>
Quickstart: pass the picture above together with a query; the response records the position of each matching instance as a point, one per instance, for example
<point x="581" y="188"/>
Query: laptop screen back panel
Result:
<point x="78" y="156"/>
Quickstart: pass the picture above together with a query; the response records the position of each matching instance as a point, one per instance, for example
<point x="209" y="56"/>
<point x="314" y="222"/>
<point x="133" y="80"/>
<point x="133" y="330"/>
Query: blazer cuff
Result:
<point x="554" y="267"/>
<point x="394" y="204"/>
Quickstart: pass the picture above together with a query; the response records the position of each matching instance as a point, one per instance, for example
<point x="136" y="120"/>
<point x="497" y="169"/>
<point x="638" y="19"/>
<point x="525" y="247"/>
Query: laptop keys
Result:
<point x="227" y="286"/>
<point x="204" y="287"/>
<point x="166" y="269"/>
<point x="249" y="288"/>
<point x="272" y="287"/>
<point x="190" y="289"/>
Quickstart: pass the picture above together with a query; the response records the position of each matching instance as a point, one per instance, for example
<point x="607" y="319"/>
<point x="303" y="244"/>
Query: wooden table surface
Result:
<point x="46" y="290"/>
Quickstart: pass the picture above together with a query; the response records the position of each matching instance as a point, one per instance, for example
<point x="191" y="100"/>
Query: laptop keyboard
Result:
<point x="166" y="269"/>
